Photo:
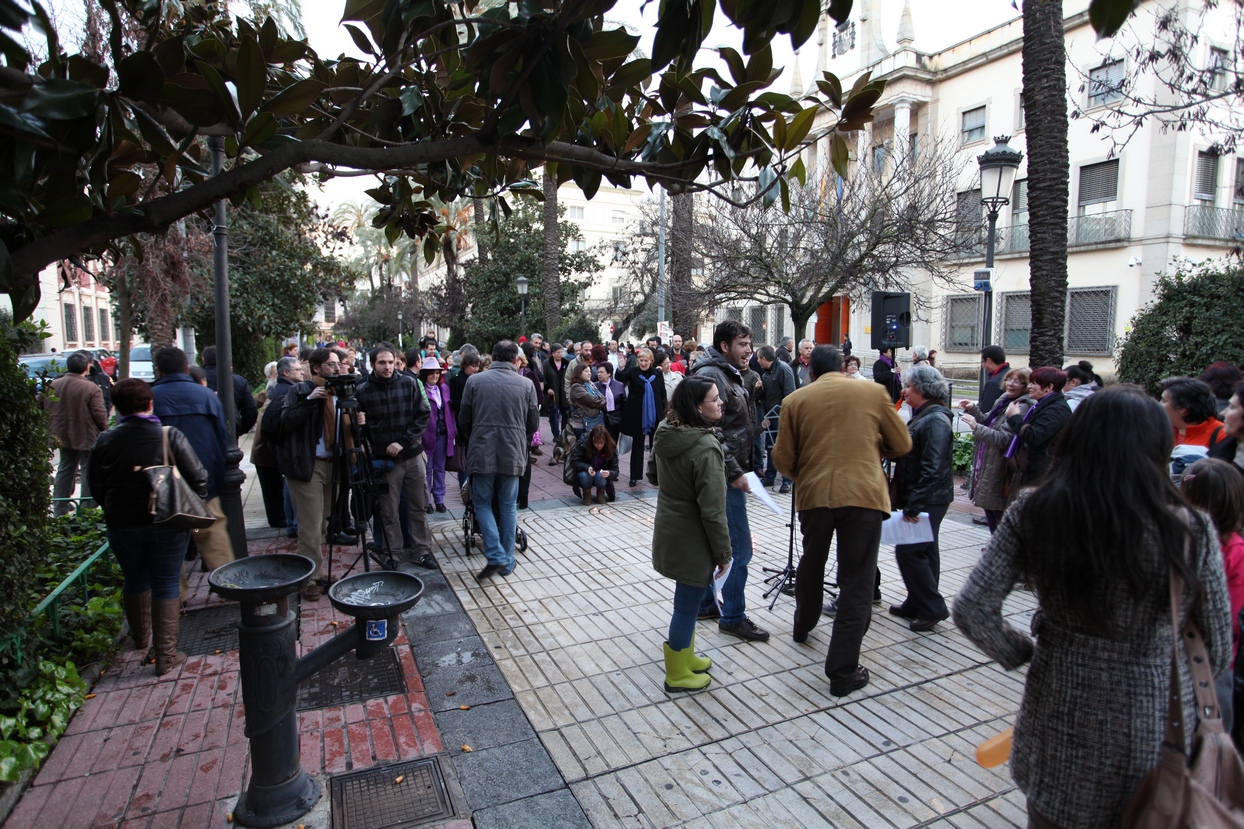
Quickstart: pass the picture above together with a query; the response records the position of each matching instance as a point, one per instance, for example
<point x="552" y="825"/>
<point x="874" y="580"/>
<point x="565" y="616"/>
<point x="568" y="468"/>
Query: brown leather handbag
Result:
<point x="1204" y="790"/>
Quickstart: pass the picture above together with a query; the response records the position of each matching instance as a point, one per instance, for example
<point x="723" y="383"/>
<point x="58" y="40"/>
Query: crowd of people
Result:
<point x="1096" y="520"/>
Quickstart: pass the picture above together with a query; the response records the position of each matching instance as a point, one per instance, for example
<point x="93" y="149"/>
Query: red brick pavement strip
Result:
<point x="171" y="751"/>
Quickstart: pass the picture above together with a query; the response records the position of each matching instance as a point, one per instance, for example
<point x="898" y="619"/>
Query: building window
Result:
<point x="1099" y="182"/>
<point x="878" y="158"/>
<point x="1019" y="202"/>
<point x="578" y="246"/>
<point x="619" y="250"/>
<point x="1106" y="83"/>
<point x="973" y="126"/>
<point x="1239" y="182"/>
<point x="1206" y="177"/>
<point x="105" y="329"/>
<point x="88" y="325"/>
<point x="618" y="219"/>
<point x="1217" y="68"/>
<point x="735" y="313"/>
<point x="1014" y="321"/>
<point x="1090" y="320"/>
<point x="330" y="312"/>
<point x="619" y="294"/>
<point x="757" y="322"/>
<point x="779" y="324"/>
<point x="575" y="214"/>
<point x="1020" y="123"/>
<point x="71" y="322"/>
<point x="962" y="322"/>
<point x="968" y="215"/>
<point x="913" y="144"/>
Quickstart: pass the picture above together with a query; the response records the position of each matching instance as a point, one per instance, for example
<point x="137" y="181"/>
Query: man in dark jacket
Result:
<point x="993" y="361"/>
<point x="497" y="417"/>
<point x="555" y="390"/>
<point x="724" y="363"/>
<point x="196" y="412"/>
<point x="926" y="484"/>
<point x="779" y="381"/>
<point x="288" y="372"/>
<point x="78" y="416"/>
<point x="397" y="415"/>
<point x="244" y="402"/>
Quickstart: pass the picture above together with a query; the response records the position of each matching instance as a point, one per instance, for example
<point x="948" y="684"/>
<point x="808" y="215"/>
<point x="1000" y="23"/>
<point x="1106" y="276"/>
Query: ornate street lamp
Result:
<point x="522" y="294"/>
<point x="998" y="164"/>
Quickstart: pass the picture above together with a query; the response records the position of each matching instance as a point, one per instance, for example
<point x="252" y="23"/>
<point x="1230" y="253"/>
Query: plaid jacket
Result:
<point x="397" y="411"/>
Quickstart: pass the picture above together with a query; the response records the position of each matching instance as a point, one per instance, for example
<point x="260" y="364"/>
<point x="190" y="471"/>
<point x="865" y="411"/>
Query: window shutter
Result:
<point x="1099" y="182"/>
<point x="1239" y="180"/>
<point x="1206" y="176"/>
<point x="1019" y="199"/>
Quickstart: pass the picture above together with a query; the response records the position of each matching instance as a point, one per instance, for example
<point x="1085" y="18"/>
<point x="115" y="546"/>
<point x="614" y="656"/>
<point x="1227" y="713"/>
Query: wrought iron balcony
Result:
<point x="1110" y="228"/>
<point x="1214" y="223"/>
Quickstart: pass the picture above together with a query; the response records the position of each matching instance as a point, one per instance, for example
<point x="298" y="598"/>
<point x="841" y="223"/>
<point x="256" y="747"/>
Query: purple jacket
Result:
<point x="443" y="410"/>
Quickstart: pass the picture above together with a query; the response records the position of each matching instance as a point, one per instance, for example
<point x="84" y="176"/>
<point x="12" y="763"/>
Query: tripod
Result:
<point x="783" y="580"/>
<point x="355" y="467"/>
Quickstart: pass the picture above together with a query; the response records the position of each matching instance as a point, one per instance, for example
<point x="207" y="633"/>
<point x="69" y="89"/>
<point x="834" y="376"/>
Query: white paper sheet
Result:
<point x="718" y="583"/>
<point x="895" y="531"/>
<point x="758" y="489"/>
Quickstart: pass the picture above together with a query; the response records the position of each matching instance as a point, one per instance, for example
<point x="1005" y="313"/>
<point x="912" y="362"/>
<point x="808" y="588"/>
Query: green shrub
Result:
<point x="963" y="449"/>
<point x="1192" y="321"/>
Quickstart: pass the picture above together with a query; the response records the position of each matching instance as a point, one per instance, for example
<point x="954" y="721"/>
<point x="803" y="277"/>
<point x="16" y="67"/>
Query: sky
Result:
<point x="935" y="29"/>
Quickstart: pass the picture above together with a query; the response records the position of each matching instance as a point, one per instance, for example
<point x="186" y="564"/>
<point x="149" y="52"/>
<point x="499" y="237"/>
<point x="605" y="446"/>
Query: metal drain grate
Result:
<point x="351" y="679"/>
<point x="210" y="630"/>
<point x="372" y="800"/>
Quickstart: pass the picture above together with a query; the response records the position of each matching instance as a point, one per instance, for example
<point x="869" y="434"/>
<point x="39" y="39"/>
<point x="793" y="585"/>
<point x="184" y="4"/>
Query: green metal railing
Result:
<point x="50" y="606"/>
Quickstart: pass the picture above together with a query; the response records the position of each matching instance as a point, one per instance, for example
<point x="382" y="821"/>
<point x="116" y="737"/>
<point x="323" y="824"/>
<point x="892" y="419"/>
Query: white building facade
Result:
<point x="76" y="308"/>
<point x="1162" y="197"/>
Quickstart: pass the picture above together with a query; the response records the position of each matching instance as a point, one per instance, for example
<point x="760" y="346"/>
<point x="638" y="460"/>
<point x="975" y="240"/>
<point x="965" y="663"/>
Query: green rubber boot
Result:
<point x="678" y="676"/>
<point x="698" y="664"/>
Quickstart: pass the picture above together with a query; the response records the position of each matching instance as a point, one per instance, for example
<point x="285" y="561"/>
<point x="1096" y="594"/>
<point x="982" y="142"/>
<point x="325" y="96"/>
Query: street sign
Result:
<point x="665" y="331"/>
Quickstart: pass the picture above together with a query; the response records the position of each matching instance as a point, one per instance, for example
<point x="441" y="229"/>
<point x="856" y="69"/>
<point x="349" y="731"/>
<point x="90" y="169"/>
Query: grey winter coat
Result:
<point x="690" y="537"/>
<point x="498" y="415"/>
<point x="738" y="424"/>
<point x="1091" y="721"/>
<point x="989" y="457"/>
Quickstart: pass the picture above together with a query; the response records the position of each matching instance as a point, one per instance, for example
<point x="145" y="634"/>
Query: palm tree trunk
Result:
<point x="124" y="322"/>
<point x="453" y="291"/>
<point x="480" y="231"/>
<point x="551" y="266"/>
<point x="1045" y="113"/>
<point x="680" y="295"/>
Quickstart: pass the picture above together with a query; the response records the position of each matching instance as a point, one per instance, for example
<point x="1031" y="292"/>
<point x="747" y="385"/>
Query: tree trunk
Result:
<point x="453" y="291"/>
<point x="125" y="325"/>
<point x="1045" y="107"/>
<point x="552" y="282"/>
<point x="480" y="231"/>
<point x="799" y="315"/>
<point x="679" y="294"/>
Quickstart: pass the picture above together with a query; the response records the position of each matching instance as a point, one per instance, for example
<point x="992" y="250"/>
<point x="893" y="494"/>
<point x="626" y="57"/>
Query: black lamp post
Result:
<point x="998" y="164"/>
<point x="522" y="294"/>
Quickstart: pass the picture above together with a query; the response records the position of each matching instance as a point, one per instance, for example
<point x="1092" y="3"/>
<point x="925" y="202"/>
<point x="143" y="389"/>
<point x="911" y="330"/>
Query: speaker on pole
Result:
<point x="891" y="320"/>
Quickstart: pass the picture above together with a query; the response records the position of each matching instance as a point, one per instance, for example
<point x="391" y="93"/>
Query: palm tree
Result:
<point x="454" y="229"/>
<point x="552" y="248"/>
<point x="1045" y="113"/>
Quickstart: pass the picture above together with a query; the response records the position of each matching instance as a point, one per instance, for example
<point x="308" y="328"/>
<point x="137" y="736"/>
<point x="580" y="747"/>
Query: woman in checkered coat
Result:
<point x="1096" y="542"/>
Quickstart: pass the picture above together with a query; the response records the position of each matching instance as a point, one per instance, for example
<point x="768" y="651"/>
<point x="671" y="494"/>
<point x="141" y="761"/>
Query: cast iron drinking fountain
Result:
<point x="280" y="791"/>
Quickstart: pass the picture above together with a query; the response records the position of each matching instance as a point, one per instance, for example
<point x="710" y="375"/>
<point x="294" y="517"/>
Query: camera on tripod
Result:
<point x="343" y="385"/>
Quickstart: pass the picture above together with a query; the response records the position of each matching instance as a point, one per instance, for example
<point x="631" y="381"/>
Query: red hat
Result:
<point x="522" y="339"/>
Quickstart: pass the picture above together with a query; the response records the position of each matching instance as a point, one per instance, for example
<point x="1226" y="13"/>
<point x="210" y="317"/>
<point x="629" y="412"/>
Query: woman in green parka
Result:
<point x="690" y="538"/>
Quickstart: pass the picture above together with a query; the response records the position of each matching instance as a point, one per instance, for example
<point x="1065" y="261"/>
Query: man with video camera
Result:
<point x="397" y="415"/>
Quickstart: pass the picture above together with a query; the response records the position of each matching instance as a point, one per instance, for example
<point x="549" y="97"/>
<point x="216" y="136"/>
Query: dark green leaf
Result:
<point x="20" y="122"/>
<point x="611" y="44"/>
<point x="6" y="267"/>
<point x="217" y="84"/>
<point x="250" y="74"/>
<point x="799" y="127"/>
<point x="295" y="98"/>
<point x="259" y="130"/>
<point x="760" y="66"/>
<point x="805" y="25"/>
<point x="839" y="10"/>
<point x="141" y="76"/>
<point x="59" y="100"/>
<point x="738" y="70"/>
<point x="123" y="185"/>
<point x="1108" y="16"/>
<point x="360" y="40"/>
<point x="629" y="74"/>
<point x="25" y="304"/>
<point x="68" y="211"/>
<point x="81" y="69"/>
<point x="268" y="36"/>
<point x="840" y="155"/>
<point x="171" y="54"/>
<point x="831" y="88"/>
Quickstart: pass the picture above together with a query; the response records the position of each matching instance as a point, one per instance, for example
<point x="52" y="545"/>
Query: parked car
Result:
<point x="42" y="368"/>
<point x="107" y="361"/>
<point x="140" y="363"/>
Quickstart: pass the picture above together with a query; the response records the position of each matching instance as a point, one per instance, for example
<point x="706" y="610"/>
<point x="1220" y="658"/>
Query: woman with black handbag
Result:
<point x="1102" y="539"/>
<point x="150" y="555"/>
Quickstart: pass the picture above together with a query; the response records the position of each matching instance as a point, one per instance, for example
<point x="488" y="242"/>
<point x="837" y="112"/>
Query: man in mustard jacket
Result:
<point x="831" y="439"/>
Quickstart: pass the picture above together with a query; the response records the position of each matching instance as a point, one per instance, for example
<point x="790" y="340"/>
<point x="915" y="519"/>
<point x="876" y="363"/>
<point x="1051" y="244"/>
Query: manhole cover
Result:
<point x="210" y="630"/>
<point x="372" y="800"/>
<point x="351" y="679"/>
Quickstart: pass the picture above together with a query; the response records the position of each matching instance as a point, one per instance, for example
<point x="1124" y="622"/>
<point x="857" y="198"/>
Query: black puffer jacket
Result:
<point x="580" y="460"/>
<point x="115" y="471"/>
<point x="1038" y="430"/>
<point x="926" y="474"/>
<point x="738" y="426"/>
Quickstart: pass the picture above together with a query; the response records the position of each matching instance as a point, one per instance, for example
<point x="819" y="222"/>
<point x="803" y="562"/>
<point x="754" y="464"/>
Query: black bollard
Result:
<point x="280" y="790"/>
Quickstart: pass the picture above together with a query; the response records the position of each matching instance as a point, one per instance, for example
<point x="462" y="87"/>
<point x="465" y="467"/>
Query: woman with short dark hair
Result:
<point x="1097" y="541"/>
<point x="1037" y="429"/>
<point x="1222" y="378"/>
<point x="1192" y="410"/>
<point x="690" y="536"/>
<point x="593" y="462"/>
<point x="150" y="556"/>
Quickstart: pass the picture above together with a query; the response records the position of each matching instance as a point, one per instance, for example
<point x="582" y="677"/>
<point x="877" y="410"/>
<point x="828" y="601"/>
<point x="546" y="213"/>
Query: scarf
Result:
<point x="150" y="418"/>
<point x="607" y="388"/>
<point x="649" y="421"/>
<point x="1010" y="450"/>
<point x="998" y="408"/>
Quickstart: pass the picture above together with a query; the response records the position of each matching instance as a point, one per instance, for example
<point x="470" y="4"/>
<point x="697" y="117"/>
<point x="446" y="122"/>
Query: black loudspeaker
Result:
<point x="891" y="320"/>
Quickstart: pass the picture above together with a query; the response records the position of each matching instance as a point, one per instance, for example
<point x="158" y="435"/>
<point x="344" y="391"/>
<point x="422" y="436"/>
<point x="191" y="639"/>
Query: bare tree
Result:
<point x="1175" y="77"/>
<point x="877" y="230"/>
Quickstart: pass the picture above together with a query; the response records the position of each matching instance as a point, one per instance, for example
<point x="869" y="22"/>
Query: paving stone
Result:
<point x="484" y="726"/>
<point x="554" y="810"/>
<point x="506" y="773"/>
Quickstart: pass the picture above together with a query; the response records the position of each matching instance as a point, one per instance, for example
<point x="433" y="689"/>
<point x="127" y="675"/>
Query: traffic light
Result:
<point x="891" y="320"/>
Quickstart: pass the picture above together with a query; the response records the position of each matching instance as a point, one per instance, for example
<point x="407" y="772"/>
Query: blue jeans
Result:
<point x="682" y="623"/>
<point x="586" y="480"/>
<point x="151" y="559"/>
<point x="498" y="535"/>
<point x="555" y="420"/>
<point x="291" y="517"/>
<point x="771" y="473"/>
<point x="734" y="603"/>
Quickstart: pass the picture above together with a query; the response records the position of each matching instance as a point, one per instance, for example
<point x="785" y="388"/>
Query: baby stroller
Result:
<point x="470" y="526"/>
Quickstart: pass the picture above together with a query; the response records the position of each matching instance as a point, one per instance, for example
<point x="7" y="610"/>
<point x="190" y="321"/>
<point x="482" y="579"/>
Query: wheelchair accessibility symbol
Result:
<point x="377" y="630"/>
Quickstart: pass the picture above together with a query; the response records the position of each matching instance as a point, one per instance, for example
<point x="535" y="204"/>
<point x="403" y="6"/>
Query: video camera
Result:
<point x="343" y="385"/>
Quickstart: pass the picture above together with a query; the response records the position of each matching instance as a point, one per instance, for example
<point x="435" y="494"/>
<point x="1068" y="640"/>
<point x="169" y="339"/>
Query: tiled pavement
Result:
<point x="559" y="667"/>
